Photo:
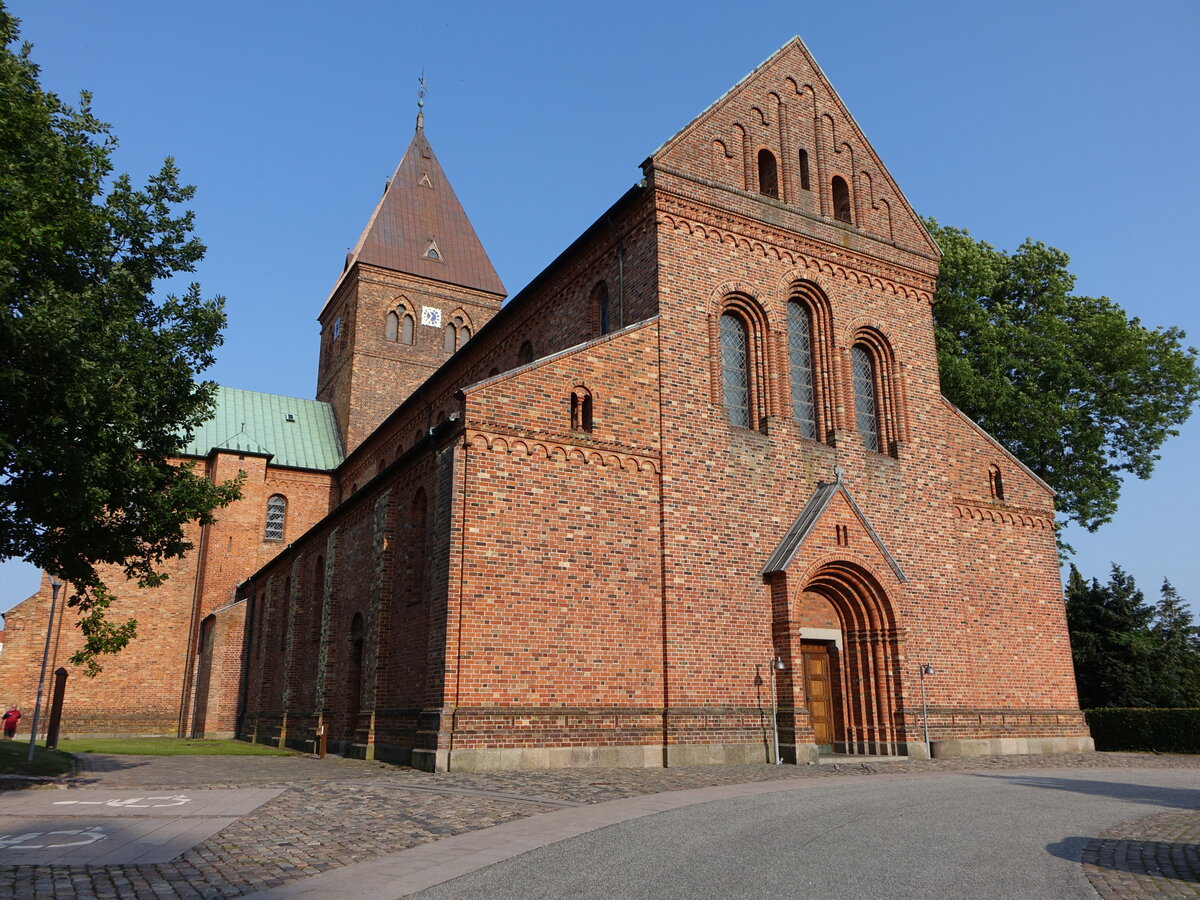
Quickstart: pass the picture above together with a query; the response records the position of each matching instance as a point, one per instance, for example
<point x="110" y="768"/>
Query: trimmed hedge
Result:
<point x="1164" y="730"/>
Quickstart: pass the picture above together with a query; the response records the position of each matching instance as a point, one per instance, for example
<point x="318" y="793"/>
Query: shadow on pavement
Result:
<point x="1180" y="798"/>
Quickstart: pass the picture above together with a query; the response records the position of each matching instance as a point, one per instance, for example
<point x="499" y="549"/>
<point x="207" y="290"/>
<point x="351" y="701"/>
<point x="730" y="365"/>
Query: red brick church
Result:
<point x="698" y="475"/>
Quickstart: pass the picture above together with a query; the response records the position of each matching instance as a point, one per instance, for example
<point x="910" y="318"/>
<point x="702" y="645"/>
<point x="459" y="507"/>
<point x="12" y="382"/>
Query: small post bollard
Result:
<point x="321" y="734"/>
<point x="56" y="705"/>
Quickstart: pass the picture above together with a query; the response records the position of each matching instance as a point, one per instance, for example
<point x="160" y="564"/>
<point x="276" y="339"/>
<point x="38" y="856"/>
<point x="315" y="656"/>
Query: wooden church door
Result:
<point x="818" y="692"/>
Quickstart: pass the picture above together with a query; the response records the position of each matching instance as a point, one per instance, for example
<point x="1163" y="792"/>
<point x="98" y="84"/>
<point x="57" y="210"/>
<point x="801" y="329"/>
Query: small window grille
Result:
<point x="276" y="516"/>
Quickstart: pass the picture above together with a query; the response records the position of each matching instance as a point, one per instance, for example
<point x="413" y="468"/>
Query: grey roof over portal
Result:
<point x="817" y="504"/>
<point x="295" y="433"/>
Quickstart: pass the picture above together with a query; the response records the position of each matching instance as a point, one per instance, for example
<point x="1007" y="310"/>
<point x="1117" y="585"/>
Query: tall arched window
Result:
<point x="800" y="358"/>
<point x="768" y="174"/>
<point x="525" y="354"/>
<point x="391" y="330"/>
<point x="866" y="404"/>
<point x="735" y="369"/>
<point x="455" y="334"/>
<point x="276" y="518"/>
<point x="407" y="329"/>
<point x="600" y="303"/>
<point x="996" y="482"/>
<point x="841" y="199"/>
<point x="805" y="183"/>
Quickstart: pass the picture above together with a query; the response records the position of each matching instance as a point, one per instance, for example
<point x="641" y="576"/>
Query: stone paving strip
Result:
<point x="1156" y="856"/>
<point x="336" y="812"/>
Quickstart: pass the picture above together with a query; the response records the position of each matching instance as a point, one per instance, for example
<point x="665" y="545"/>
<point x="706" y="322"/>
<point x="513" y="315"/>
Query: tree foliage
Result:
<point x="98" y="389"/>
<point x="1075" y="388"/>
<point x="1128" y="653"/>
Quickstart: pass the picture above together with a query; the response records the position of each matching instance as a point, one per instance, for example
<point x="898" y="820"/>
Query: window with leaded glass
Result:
<point x="865" y="406"/>
<point x="735" y="369"/>
<point x="392" y="328"/>
<point x="804" y="407"/>
<point x="276" y="516"/>
<point x="406" y="329"/>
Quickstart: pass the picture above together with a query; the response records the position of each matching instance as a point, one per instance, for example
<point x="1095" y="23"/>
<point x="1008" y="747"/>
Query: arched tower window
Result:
<point x="805" y="183"/>
<point x="800" y="359"/>
<point x="525" y="354"/>
<point x="841" y="199"/>
<point x="768" y="174"/>
<point x="581" y="409"/>
<point x="276" y="518"/>
<point x="391" y="329"/>
<point x="865" y="406"/>
<point x="450" y="337"/>
<point x="406" y="329"/>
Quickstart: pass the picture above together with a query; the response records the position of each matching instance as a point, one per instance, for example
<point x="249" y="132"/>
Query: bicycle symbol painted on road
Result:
<point x="130" y="802"/>
<point x="24" y="841"/>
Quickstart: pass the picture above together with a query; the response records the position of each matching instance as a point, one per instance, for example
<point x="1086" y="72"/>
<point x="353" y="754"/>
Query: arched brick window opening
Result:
<point x="996" y="482"/>
<point x="800" y="359"/>
<point x="600" y="307"/>
<point x="866" y="409"/>
<point x="877" y="392"/>
<point x="740" y="370"/>
<point x="581" y="409"/>
<point x="768" y="174"/>
<point x="805" y="183"/>
<point x="391" y="330"/>
<point x="418" y="515"/>
<point x="407" y="329"/>
<point x="525" y="354"/>
<point x="735" y="369"/>
<point x="276" y="518"/>
<point x="841" y="199"/>
<point x="450" y="338"/>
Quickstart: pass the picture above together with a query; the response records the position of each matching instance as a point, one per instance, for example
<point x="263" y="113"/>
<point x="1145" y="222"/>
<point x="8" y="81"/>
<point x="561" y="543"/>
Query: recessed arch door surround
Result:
<point x="863" y="677"/>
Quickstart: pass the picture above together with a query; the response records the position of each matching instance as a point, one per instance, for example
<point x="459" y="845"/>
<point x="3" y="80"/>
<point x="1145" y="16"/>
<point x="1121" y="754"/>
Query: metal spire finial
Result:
<point x="421" y="99"/>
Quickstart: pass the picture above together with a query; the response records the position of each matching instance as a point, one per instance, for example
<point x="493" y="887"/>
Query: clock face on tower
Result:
<point x="431" y="316"/>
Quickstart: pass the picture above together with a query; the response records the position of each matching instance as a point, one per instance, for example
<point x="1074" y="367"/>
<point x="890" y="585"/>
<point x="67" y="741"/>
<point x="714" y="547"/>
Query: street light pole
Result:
<point x="776" y="665"/>
<point x="925" y="669"/>
<point x="55" y="585"/>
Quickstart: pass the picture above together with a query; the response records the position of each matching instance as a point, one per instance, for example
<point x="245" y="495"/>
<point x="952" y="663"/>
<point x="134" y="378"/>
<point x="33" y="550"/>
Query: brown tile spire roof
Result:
<point x="420" y="228"/>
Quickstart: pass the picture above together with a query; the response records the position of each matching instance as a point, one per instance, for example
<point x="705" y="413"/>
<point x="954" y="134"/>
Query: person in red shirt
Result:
<point x="11" y="718"/>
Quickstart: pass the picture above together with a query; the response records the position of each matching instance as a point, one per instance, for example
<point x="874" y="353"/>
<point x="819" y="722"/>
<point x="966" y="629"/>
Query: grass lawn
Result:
<point x="164" y="746"/>
<point x="14" y="759"/>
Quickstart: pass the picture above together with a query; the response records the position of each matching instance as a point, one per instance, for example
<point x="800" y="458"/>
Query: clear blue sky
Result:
<point x="1075" y="123"/>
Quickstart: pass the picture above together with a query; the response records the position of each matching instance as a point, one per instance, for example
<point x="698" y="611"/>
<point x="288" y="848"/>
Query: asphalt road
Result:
<point x="989" y="836"/>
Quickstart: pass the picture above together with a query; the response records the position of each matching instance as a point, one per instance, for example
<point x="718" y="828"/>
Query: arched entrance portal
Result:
<point x="844" y="648"/>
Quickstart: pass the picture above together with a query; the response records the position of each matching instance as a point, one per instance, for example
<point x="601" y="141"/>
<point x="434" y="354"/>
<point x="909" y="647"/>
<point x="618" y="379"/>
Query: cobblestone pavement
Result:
<point x="1157" y="856"/>
<point x="339" y="811"/>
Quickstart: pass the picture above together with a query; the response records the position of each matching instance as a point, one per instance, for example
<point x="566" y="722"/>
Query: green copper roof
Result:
<point x="300" y="434"/>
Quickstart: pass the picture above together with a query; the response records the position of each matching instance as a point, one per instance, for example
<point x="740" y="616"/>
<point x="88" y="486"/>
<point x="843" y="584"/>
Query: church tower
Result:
<point x="415" y="288"/>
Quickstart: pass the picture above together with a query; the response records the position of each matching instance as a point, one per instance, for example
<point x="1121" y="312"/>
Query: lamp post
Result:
<point x="925" y="669"/>
<point x="55" y="585"/>
<point x="776" y="665"/>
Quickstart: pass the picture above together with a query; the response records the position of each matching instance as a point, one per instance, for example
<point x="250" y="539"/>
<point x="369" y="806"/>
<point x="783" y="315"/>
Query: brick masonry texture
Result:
<point x="547" y="548"/>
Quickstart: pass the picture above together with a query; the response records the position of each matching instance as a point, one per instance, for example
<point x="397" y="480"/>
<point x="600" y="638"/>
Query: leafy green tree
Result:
<point x="1177" y="651"/>
<point x="1111" y="642"/>
<point x="98" y="388"/>
<point x="1075" y="388"/>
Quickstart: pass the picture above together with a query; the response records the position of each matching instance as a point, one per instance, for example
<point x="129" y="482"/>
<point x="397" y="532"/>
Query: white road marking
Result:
<point x="20" y="841"/>
<point x="131" y="802"/>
